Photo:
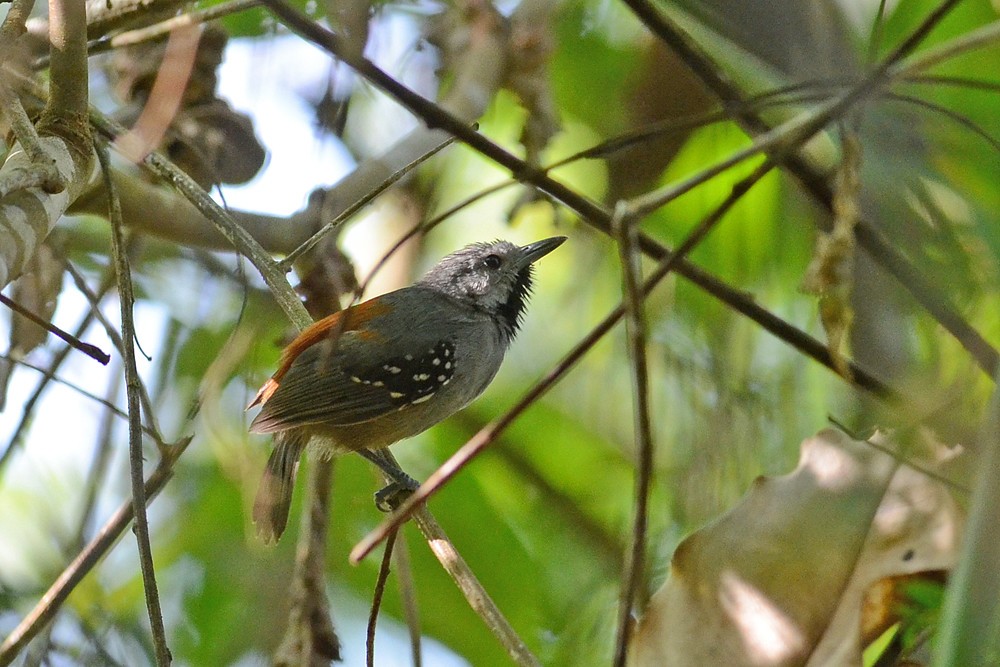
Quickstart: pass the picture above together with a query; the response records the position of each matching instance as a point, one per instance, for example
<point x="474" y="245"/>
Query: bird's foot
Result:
<point x="389" y="498"/>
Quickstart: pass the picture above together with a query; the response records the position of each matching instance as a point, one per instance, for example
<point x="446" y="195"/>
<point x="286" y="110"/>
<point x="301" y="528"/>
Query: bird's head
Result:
<point x="492" y="277"/>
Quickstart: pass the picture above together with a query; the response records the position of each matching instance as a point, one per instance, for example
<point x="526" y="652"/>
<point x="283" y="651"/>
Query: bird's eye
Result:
<point x="492" y="262"/>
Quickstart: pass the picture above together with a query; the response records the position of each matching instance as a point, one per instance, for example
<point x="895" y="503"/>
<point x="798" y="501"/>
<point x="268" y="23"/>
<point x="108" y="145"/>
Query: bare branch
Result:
<point x="383" y="576"/>
<point x="408" y="593"/>
<point x="635" y="328"/>
<point x="472" y="589"/>
<point x="92" y="351"/>
<point x="364" y="201"/>
<point x="126" y="299"/>
<point x="147" y="405"/>
<point x="188" y="19"/>
<point x="29" y="406"/>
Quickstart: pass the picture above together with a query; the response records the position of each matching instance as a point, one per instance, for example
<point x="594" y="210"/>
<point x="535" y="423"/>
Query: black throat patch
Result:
<point x="510" y="312"/>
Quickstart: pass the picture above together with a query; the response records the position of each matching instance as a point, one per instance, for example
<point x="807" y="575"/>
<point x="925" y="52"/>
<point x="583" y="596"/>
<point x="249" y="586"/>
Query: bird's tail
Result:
<point x="274" y="495"/>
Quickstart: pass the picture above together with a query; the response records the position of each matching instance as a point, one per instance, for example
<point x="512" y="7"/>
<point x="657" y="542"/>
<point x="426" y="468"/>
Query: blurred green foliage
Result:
<point x="544" y="516"/>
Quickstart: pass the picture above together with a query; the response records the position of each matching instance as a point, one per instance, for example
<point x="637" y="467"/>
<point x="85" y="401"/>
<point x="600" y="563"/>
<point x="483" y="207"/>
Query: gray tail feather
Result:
<point x="274" y="495"/>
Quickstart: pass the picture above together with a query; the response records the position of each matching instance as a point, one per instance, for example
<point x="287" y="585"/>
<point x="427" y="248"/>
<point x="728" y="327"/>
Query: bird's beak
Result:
<point x="535" y="251"/>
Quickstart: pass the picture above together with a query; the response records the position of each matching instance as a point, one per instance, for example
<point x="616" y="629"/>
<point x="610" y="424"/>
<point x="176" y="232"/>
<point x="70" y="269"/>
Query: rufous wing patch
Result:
<point x="351" y="319"/>
<point x="264" y="393"/>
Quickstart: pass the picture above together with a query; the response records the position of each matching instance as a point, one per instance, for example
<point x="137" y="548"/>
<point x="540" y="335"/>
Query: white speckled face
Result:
<point x="492" y="277"/>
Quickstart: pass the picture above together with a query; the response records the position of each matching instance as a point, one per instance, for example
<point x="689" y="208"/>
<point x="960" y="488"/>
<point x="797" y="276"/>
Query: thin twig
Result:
<point x="49" y="376"/>
<point x="38" y="651"/>
<point x="237" y="237"/>
<point x="85" y="561"/>
<point x="956" y="81"/>
<point x="188" y="19"/>
<point x="472" y="589"/>
<point x="463" y="576"/>
<point x="425" y="227"/>
<point x="979" y="38"/>
<point x="383" y="577"/>
<point x="116" y="339"/>
<point x="348" y="212"/>
<point x="132" y="392"/>
<point x="28" y="410"/>
<point x="875" y="38"/>
<point x="964" y="121"/>
<point x="92" y="351"/>
<point x="102" y="456"/>
<point x="635" y="330"/>
<point x="408" y="594"/>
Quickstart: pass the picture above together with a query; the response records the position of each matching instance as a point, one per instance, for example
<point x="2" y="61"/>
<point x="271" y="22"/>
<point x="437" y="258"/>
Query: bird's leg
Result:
<point x="399" y="489"/>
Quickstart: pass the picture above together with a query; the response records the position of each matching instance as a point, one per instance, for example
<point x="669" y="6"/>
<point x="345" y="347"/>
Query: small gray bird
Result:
<point x="391" y="367"/>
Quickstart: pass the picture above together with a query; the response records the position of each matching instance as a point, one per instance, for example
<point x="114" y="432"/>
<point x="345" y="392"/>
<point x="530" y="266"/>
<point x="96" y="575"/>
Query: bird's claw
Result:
<point x="389" y="498"/>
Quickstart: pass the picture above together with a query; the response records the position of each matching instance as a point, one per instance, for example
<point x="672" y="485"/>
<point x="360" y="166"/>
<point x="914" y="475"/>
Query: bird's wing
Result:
<point x="332" y="380"/>
<point x="315" y="390"/>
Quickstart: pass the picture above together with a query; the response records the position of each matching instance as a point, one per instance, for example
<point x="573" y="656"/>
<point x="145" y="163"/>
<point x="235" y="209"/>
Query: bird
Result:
<point x="391" y="367"/>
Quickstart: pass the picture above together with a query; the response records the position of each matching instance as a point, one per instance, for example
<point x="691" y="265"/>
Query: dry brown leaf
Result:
<point x="781" y="578"/>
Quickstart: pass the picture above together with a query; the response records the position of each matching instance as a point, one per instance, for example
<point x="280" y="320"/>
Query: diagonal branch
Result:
<point x="92" y="351"/>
